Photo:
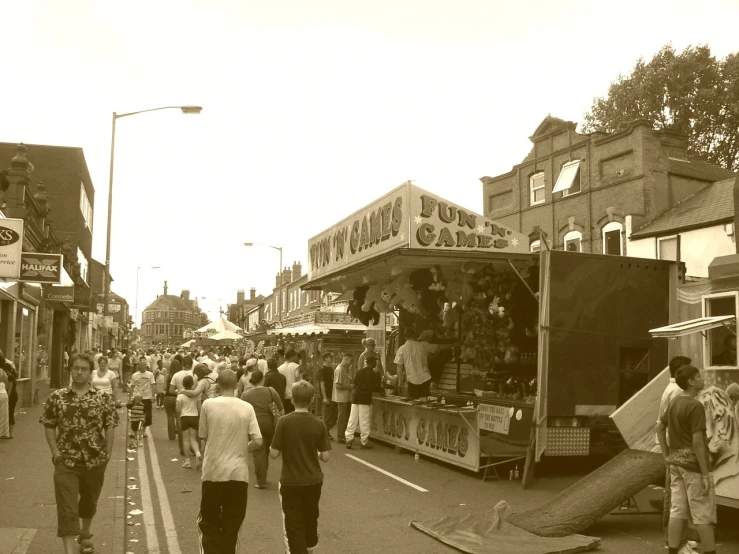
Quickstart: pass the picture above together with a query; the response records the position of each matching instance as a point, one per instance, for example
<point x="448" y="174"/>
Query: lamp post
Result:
<point x="136" y="308"/>
<point x="116" y="116"/>
<point x="279" y="288"/>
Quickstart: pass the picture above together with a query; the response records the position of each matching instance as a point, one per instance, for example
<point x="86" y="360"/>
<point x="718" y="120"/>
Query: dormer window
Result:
<point x="536" y="187"/>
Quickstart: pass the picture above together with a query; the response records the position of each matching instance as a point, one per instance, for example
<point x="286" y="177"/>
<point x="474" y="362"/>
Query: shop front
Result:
<point x="19" y="312"/>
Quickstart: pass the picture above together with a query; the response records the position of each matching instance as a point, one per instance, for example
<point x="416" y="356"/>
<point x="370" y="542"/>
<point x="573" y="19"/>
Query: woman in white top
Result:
<point x="188" y="411"/>
<point x="104" y="379"/>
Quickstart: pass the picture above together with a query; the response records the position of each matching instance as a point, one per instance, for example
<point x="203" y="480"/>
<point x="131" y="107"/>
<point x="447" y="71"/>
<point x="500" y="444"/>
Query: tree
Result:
<point x="691" y="92"/>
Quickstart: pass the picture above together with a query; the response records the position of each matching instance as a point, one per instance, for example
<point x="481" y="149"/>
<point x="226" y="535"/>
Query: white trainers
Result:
<point x="187" y="465"/>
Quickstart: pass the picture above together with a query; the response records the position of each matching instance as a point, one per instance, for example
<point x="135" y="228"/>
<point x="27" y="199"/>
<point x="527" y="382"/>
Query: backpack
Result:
<point x="211" y="391"/>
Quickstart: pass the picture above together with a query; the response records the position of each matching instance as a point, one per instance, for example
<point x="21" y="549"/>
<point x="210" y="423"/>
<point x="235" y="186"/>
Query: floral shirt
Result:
<point x="80" y="422"/>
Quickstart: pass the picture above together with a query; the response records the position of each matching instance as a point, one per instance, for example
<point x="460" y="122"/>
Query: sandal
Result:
<point x="86" y="546"/>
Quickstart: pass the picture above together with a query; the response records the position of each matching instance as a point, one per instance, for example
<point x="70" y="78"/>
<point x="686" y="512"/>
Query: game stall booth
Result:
<point x="506" y="383"/>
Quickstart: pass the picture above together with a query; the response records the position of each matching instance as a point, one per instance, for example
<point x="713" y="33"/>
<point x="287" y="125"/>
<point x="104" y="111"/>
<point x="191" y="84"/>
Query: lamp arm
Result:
<point x="120" y="115"/>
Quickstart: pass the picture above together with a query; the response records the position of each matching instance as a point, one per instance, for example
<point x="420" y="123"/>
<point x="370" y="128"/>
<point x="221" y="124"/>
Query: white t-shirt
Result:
<point x="143" y="384"/>
<point x="288" y="370"/>
<point x="414" y="357"/>
<point x="226" y="423"/>
<point x="188" y="405"/>
<point x="263" y="367"/>
<point x="178" y="377"/>
<point x="104" y="383"/>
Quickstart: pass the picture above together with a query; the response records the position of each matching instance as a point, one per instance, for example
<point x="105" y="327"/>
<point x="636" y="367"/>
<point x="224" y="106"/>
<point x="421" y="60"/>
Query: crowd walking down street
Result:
<point x="119" y="481"/>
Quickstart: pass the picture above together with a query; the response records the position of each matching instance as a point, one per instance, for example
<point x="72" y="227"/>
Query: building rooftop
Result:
<point x="696" y="169"/>
<point x="712" y="204"/>
<point x="173" y="303"/>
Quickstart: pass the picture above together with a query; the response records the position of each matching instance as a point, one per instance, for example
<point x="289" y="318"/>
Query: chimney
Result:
<point x="297" y="271"/>
<point x="286" y="276"/>
<point x="239" y="297"/>
<point x="185" y="295"/>
<point x="675" y="143"/>
<point x="165" y="288"/>
<point x="277" y="281"/>
<point x="252" y="294"/>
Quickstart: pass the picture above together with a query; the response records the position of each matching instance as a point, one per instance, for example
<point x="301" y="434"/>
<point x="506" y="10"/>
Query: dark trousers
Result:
<point x="261" y="456"/>
<point x="76" y="490"/>
<point x="287" y="403"/>
<point x="222" y="511"/>
<point x="344" y="409"/>
<point x="330" y="412"/>
<point x="300" y="516"/>
<point x="169" y="407"/>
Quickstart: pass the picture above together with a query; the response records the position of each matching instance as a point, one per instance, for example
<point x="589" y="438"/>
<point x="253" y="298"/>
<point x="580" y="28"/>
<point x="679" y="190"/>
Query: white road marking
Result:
<point x="392" y="476"/>
<point x="24" y="541"/>
<point x="170" y="531"/>
<point x="152" y="541"/>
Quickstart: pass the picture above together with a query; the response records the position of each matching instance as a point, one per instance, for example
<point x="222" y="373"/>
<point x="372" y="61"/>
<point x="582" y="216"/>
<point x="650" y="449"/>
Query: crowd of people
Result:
<point x="223" y="409"/>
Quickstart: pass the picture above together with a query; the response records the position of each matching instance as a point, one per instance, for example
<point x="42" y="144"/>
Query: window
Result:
<point x="178" y="330"/>
<point x="612" y="238"/>
<point x="536" y="185"/>
<point x="568" y="181"/>
<point x="85" y="207"/>
<point x="147" y="329"/>
<point x="573" y="241"/>
<point x="720" y="343"/>
<point x="84" y="265"/>
<point x="535" y="246"/>
<point x="668" y="249"/>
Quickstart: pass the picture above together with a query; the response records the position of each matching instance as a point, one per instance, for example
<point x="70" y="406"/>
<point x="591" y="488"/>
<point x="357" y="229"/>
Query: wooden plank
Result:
<point x="637" y="418"/>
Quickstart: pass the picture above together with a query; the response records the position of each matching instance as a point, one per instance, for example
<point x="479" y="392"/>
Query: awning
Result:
<point x="566" y="176"/>
<point x="693" y="326"/>
<point x="386" y="266"/>
<point x="316" y="329"/>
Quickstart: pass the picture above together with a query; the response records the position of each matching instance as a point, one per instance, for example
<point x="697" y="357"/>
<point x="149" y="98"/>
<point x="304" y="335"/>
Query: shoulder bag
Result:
<point x="277" y="413"/>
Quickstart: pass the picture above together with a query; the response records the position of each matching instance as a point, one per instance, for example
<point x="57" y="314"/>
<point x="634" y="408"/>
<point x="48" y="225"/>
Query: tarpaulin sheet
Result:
<point x="480" y="534"/>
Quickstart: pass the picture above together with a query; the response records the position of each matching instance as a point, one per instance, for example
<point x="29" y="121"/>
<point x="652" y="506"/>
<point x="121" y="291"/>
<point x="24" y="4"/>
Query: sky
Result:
<point x="311" y="110"/>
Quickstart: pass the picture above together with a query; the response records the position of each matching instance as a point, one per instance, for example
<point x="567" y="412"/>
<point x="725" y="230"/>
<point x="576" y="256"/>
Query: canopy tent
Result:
<point x="316" y="329"/>
<point x="187" y="344"/>
<point x="226" y="335"/>
<point x="219" y="325"/>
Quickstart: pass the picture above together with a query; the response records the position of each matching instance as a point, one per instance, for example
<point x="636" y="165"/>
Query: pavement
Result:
<point x="27" y="504"/>
<point x="363" y="510"/>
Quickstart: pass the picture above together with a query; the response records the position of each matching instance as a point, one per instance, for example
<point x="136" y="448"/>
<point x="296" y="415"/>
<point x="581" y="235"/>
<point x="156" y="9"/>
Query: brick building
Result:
<point x="167" y="318"/>
<point x="589" y="192"/>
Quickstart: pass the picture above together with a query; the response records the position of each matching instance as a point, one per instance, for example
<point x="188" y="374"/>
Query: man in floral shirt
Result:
<point x="79" y="423"/>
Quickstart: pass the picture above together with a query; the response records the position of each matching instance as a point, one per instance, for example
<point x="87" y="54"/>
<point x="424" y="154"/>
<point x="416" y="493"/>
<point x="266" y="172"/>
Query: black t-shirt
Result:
<point x="327" y="378"/>
<point x="300" y="436"/>
<point x="277" y="381"/>
<point x="366" y="381"/>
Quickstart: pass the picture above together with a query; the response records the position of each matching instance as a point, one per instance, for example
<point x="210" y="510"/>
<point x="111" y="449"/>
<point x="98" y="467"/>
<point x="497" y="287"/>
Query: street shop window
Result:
<point x="535" y="246"/>
<point x="668" y="248"/>
<point x="568" y="181"/>
<point x="85" y="207"/>
<point x="24" y="339"/>
<point x="573" y="241"/>
<point x="720" y="343"/>
<point x="536" y="186"/>
<point x="613" y="238"/>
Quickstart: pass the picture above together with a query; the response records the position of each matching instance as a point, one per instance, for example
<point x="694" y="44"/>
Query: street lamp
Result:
<point x="279" y="289"/>
<point x="116" y="116"/>
<point x="136" y="308"/>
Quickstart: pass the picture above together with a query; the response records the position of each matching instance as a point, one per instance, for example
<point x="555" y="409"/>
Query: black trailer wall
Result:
<point x="601" y="309"/>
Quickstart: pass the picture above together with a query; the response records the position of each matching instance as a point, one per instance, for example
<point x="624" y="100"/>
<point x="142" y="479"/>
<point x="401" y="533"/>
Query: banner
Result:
<point x="41" y="268"/>
<point x="494" y="418"/>
<point x="113" y="307"/>
<point x="11" y="246"/>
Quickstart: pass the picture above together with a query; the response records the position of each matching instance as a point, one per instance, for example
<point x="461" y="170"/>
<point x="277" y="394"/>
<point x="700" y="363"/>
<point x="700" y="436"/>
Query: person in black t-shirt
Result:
<point x="275" y="379"/>
<point x="366" y="381"/>
<point x="302" y="440"/>
<point x="326" y="379"/>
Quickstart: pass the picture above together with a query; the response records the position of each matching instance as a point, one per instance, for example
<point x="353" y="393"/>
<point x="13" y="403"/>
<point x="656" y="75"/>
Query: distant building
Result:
<point x="237" y="313"/>
<point x="167" y="318"/>
<point x="588" y="193"/>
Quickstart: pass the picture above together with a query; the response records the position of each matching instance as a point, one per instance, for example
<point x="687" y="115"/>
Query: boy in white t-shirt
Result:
<point x="189" y="416"/>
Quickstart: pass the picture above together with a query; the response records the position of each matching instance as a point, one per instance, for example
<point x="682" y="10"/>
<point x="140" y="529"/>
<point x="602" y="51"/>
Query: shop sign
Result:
<point x="81" y="298"/>
<point x="11" y="245"/>
<point x="494" y="418"/>
<point x="65" y="295"/>
<point x="434" y="433"/>
<point x="41" y="268"/>
<point x="437" y="224"/>
<point x="113" y="308"/>
<point x="375" y="229"/>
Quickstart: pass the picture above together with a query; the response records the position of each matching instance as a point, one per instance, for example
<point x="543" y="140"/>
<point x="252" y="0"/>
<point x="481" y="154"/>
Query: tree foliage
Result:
<point x="690" y="92"/>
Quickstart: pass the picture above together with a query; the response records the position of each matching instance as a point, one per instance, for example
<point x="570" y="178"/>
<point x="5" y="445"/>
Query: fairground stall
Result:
<point x="554" y="341"/>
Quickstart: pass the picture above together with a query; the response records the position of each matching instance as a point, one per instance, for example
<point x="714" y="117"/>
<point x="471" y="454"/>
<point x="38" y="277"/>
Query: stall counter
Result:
<point x="452" y="434"/>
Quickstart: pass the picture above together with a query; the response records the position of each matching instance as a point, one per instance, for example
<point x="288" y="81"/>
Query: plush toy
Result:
<point x="437" y="285"/>
<point x="374" y="293"/>
<point x="400" y="285"/>
<point x="410" y="301"/>
<point x="467" y="290"/>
